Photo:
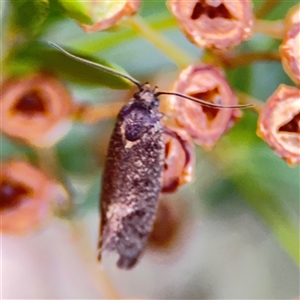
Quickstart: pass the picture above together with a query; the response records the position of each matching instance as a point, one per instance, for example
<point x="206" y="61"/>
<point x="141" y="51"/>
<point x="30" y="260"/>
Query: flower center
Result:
<point x="11" y="194"/>
<point x="292" y="126"/>
<point x="209" y="96"/>
<point x="202" y="8"/>
<point x="30" y="104"/>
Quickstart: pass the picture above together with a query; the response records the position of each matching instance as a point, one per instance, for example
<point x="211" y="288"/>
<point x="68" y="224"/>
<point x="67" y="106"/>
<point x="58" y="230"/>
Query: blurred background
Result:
<point x="236" y="225"/>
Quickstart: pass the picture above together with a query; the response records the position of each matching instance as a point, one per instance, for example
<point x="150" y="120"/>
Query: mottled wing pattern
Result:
<point x="131" y="184"/>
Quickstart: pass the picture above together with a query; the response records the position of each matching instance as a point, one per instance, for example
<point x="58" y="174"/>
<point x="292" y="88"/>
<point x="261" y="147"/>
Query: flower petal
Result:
<point x="279" y="123"/>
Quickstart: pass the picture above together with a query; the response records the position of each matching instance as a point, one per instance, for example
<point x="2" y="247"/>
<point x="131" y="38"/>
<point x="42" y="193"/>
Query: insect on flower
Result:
<point x="133" y="171"/>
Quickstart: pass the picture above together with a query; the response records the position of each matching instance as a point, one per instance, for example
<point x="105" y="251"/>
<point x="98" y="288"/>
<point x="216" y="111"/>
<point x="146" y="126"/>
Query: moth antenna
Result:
<point x="97" y="66"/>
<point x="203" y="102"/>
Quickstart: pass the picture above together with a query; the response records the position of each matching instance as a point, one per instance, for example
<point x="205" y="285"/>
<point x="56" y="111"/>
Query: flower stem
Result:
<point x="104" y="41"/>
<point x="171" y="50"/>
<point x="92" y="114"/>
<point x="248" y="58"/>
<point x="247" y="99"/>
<point x="266" y="7"/>
<point x="274" y="29"/>
<point x="98" y="277"/>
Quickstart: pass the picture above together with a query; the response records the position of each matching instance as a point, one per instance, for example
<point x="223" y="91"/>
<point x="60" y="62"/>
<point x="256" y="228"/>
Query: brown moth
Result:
<point x="131" y="180"/>
<point x="133" y="171"/>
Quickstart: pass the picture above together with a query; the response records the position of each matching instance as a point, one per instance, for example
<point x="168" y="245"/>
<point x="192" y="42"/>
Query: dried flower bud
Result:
<point x="179" y="159"/>
<point x="106" y="13"/>
<point x="204" y="124"/>
<point x="290" y="52"/>
<point x="214" y="23"/>
<point x="279" y="123"/>
<point x="293" y="16"/>
<point x="26" y="196"/>
<point x="169" y="222"/>
<point x="36" y="109"/>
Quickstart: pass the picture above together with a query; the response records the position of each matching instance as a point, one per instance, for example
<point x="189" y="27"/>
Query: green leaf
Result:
<point x="44" y="57"/>
<point x="76" y="10"/>
<point x="28" y="15"/>
<point x="77" y="151"/>
<point x="281" y="9"/>
<point x="240" y="78"/>
<point x="12" y="149"/>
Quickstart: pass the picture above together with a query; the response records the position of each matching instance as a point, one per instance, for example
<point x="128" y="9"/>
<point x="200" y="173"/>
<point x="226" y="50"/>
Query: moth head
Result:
<point x="146" y="97"/>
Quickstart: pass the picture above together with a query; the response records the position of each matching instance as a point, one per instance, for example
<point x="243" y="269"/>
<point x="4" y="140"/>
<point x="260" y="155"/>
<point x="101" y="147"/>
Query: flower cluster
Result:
<point x="38" y="109"/>
<point x="35" y="110"/>
<point x="220" y="26"/>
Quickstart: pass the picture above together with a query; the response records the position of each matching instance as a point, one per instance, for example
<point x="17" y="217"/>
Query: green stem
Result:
<point x="171" y="50"/>
<point x="92" y="44"/>
<point x="266" y="8"/>
<point x="247" y="99"/>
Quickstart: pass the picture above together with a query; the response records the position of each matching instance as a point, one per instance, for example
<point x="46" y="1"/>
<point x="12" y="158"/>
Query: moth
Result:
<point x="133" y="171"/>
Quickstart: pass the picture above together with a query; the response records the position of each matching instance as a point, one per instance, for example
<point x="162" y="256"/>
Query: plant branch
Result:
<point x="266" y="7"/>
<point x="274" y="29"/>
<point x="247" y="99"/>
<point x="171" y="50"/>
<point x="248" y="58"/>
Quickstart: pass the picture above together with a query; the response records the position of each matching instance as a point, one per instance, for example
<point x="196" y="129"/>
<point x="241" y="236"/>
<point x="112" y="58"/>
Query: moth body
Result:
<point x="132" y="179"/>
<point x="133" y="170"/>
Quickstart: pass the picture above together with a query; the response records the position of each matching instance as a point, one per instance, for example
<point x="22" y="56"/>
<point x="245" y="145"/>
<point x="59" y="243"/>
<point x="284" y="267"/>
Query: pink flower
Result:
<point x="290" y="52"/>
<point x="107" y="13"/>
<point x="179" y="159"/>
<point x="279" y="123"/>
<point x="26" y="197"/>
<point x="205" y="125"/>
<point x="214" y="23"/>
<point x="36" y="109"/>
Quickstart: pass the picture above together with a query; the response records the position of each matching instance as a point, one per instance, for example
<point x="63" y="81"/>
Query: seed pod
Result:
<point x="290" y="52"/>
<point x="105" y="14"/>
<point x="131" y="180"/>
<point x="214" y="23"/>
<point x="292" y="17"/>
<point x="35" y="109"/>
<point x="279" y="123"/>
<point x="179" y="159"/>
<point x="204" y="124"/>
<point x="26" y="195"/>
